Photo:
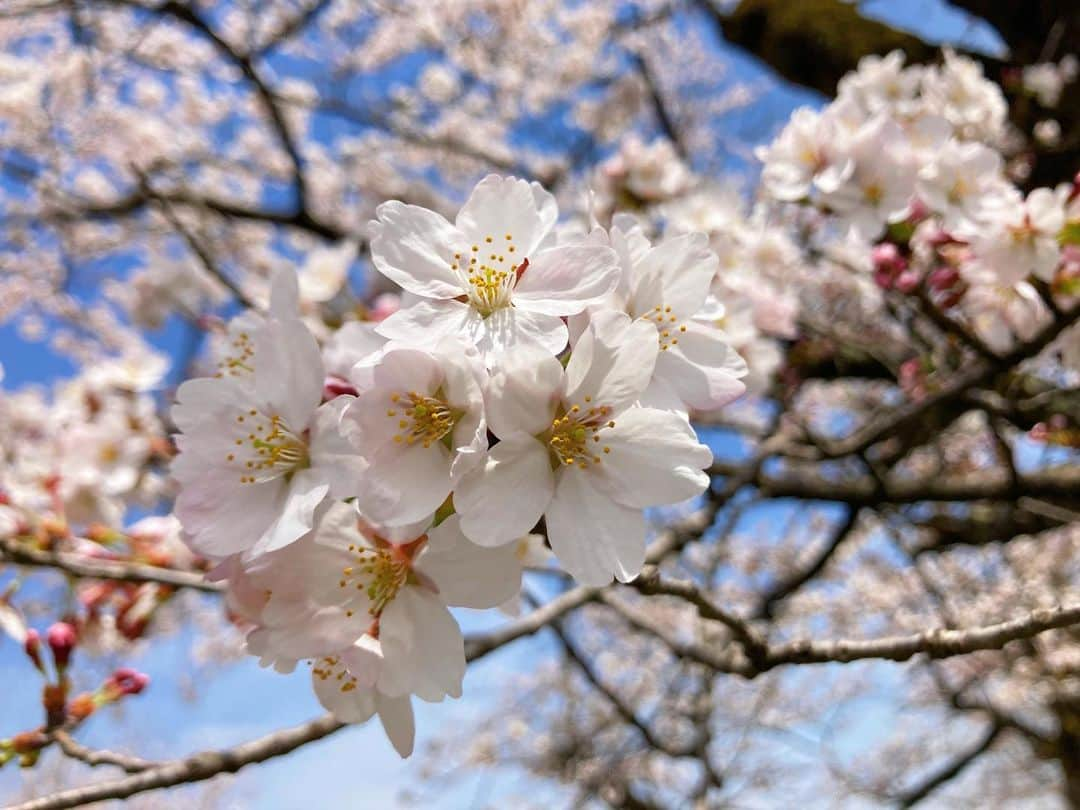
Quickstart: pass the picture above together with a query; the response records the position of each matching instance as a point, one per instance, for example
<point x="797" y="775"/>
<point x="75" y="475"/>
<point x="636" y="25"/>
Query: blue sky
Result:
<point x="356" y="768"/>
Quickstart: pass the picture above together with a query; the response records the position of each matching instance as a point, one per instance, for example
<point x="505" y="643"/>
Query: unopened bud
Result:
<point x="62" y="639"/>
<point x="943" y="278"/>
<point x="908" y="281"/>
<point x="32" y="645"/>
<point x="126" y="681"/>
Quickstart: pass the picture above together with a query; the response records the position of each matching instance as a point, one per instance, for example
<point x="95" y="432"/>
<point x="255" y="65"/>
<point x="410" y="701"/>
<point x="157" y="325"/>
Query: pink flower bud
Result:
<point x="887" y="255"/>
<point x="919" y="211"/>
<point x="62" y="639"/>
<point x="943" y="278"/>
<point x="126" y="681"/>
<point x="907" y="281"/>
<point x="32" y="645"/>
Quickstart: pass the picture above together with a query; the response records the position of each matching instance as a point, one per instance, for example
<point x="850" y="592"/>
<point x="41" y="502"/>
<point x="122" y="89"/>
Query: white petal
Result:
<point x="423" y="649"/>
<point x="504" y="499"/>
<point x="403" y="371"/>
<point x="354" y="342"/>
<point x="284" y="294"/>
<point x="522" y="391"/>
<point x="655" y="459"/>
<point x="501" y="206"/>
<point x="205" y="400"/>
<point x="415" y="248"/>
<point x="426" y="323"/>
<point x="306" y="491"/>
<point x="564" y="280"/>
<point x="677" y="274"/>
<point x="223" y="516"/>
<point x="468" y="575"/>
<point x="702" y="367"/>
<point x="593" y="536"/>
<point x="349" y="706"/>
<point x="406" y="484"/>
<point x="506" y="329"/>
<point x="396" y="716"/>
<point x="612" y="361"/>
<point x="288" y="371"/>
<point x="333" y="456"/>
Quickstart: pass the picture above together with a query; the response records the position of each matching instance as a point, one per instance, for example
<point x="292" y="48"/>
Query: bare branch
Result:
<point x="195" y="768"/>
<point x="80" y="565"/>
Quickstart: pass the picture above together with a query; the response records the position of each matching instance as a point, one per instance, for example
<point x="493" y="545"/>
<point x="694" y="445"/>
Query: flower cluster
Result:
<point x="911" y="158"/>
<point x="352" y="493"/>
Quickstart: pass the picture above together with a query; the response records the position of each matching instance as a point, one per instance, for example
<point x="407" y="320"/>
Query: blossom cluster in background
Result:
<point x="910" y="159"/>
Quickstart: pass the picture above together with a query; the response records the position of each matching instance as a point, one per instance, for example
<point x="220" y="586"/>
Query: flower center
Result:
<point x="575" y="435"/>
<point x="666" y="326"/>
<point x="332" y="669"/>
<point x="380" y="573"/>
<point x="421" y="418"/>
<point x="238" y="362"/>
<point x="273" y="448"/>
<point x="490" y="273"/>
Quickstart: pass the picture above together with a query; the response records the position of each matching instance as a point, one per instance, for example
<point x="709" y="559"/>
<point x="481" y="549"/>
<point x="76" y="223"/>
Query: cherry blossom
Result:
<point x="418" y="421"/>
<point x="257" y="452"/>
<point x="494" y="277"/>
<point x="574" y="449"/>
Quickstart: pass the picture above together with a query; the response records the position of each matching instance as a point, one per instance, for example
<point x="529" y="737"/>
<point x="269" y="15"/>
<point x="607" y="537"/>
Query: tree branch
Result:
<point x="80" y="565"/>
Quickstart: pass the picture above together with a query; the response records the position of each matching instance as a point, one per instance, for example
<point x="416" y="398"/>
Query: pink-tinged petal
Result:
<point x="522" y="392"/>
<point x="364" y="660"/>
<point x="426" y="323"/>
<point x="355" y="705"/>
<point x="564" y="280"/>
<point x="506" y="206"/>
<point x="612" y="362"/>
<point x="407" y="370"/>
<point x="676" y="274"/>
<point x="423" y="649"/>
<point x="306" y="491"/>
<point x="702" y="368"/>
<point x="288" y="372"/>
<point x="396" y="716"/>
<point x="506" y="329"/>
<point x="223" y="516"/>
<point x="406" y="484"/>
<point x="468" y="575"/>
<point x="333" y="456"/>
<point x="205" y="401"/>
<point x="655" y="459"/>
<point x="593" y="536"/>
<point x="415" y="248"/>
<point x="504" y="499"/>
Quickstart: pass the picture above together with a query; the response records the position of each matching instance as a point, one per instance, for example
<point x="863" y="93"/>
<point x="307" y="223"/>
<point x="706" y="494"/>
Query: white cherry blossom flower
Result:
<point x="494" y="277"/>
<point x="956" y="182"/>
<point x="418" y="421"/>
<point x="347" y="584"/>
<point x="807" y="155"/>
<point x="258" y="453"/>
<point x="878" y="190"/>
<point x="1017" y="237"/>
<point x="667" y="286"/>
<point x="574" y="449"/>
